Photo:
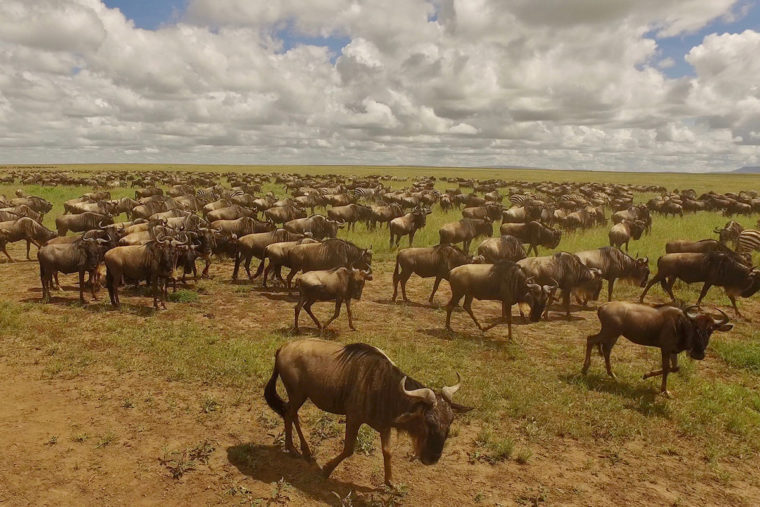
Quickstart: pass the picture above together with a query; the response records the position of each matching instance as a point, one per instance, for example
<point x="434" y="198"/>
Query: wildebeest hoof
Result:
<point x="666" y="394"/>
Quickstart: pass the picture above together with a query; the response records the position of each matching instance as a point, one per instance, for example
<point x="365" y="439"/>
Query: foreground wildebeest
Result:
<point x="668" y="328"/>
<point x="504" y="281"/>
<point x="712" y="268"/>
<point x="464" y="231"/>
<point x="331" y="253"/>
<point x="360" y="382"/>
<point x="503" y="248"/>
<point x="434" y="261"/>
<point x="533" y="234"/>
<point x="563" y="269"/>
<point x="81" y="222"/>
<point x="613" y="263"/>
<point x="319" y="226"/>
<point x="81" y="256"/>
<point x="339" y="284"/>
<point x="153" y="261"/>
<point x="703" y="246"/>
<point x="621" y="233"/>
<point x="253" y="245"/>
<point x="407" y="225"/>
<point x="24" y="229"/>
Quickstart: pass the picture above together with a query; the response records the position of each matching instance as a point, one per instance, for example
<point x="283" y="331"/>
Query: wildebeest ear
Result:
<point x="460" y="409"/>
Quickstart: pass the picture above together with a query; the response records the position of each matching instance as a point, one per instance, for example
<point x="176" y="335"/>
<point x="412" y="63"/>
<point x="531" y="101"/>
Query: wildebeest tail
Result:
<point x="270" y="391"/>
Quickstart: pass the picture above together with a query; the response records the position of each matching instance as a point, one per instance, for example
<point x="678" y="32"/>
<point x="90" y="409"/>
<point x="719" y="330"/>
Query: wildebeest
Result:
<point x="668" y="328"/>
<point x="407" y="225"/>
<point x="362" y="383"/>
<point x="253" y="245"/>
<point x="384" y="214"/>
<point x="230" y="213"/>
<point x="533" y="234"/>
<point x="319" y="226"/>
<point x="38" y="204"/>
<point x="24" y="229"/>
<point x="338" y="284"/>
<point x="81" y="256"/>
<point x="242" y="226"/>
<point x="503" y="248"/>
<point x="639" y="212"/>
<point x="702" y="246"/>
<point x="621" y="233"/>
<point x="350" y="214"/>
<point x="490" y="210"/>
<point x="712" y="268"/>
<point x="81" y="222"/>
<point x="153" y="261"/>
<point x="465" y="230"/>
<point x="282" y="214"/>
<point x="612" y="264"/>
<point x="435" y="261"/>
<point x="331" y="253"/>
<point x="504" y="281"/>
<point x="277" y="256"/>
<point x="563" y="269"/>
<point x="729" y="232"/>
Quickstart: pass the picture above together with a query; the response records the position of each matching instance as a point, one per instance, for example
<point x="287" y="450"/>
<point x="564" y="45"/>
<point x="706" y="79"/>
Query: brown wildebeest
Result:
<point x="465" y="230"/>
<point x="503" y="248"/>
<point x="154" y="261"/>
<point x="81" y="256"/>
<point x="407" y="225"/>
<point x="350" y="214"/>
<point x="230" y="213"/>
<point x="621" y="233"/>
<point x="282" y="214"/>
<point x="277" y="255"/>
<point x="712" y="268"/>
<point x="331" y="253"/>
<point x="668" y="328"/>
<point x="428" y="262"/>
<point x="533" y="234"/>
<point x="504" y="281"/>
<point x="24" y="229"/>
<point x="338" y="284"/>
<point x="242" y="226"/>
<point x="490" y="210"/>
<point x="612" y="264"/>
<point x="81" y="222"/>
<point x="564" y="270"/>
<point x="384" y="213"/>
<point x="319" y="226"/>
<point x="362" y="383"/>
<point x="253" y="245"/>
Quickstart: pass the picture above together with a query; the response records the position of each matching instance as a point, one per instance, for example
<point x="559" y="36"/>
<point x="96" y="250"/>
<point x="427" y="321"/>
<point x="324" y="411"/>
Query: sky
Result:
<point x="646" y="85"/>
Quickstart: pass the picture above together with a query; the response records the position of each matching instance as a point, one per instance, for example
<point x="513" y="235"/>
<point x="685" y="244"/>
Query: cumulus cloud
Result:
<point x="562" y="83"/>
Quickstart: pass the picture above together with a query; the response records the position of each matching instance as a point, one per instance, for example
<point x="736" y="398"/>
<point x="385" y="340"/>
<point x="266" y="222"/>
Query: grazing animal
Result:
<point x="253" y="245"/>
<point x="533" y="234"/>
<point x="668" y="328"/>
<point x="319" y="226"/>
<point x="465" y="230"/>
<point x="503" y="248"/>
<point x="712" y="268"/>
<point x="729" y="232"/>
<point x="277" y="255"/>
<point x="435" y="261"/>
<point x="407" y="225"/>
<point x="331" y="253"/>
<point x="338" y="284"/>
<point x="282" y="214"/>
<point x="621" y="233"/>
<point x="504" y="281"/>
<point x="612" y="264"/>
<point x="81" y="222"/>
<point x="24" y="229"/>
<point x="360" y="382"/>
<point x="81" y="256"/>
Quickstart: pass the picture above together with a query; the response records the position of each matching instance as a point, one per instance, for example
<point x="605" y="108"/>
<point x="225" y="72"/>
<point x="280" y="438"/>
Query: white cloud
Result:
<point x="562" y="83"/>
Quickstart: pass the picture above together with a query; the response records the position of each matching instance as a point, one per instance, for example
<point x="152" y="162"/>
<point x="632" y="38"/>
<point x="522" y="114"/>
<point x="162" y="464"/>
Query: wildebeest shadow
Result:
<point x="268" y="464"/>
<point x="644" y="397"/>
<point x="399" y="302"/>
<point x="491" y="337"/>
<point x="557" y="316"/>
<point x="327" y="334"/>
<point x="284" y="296"/>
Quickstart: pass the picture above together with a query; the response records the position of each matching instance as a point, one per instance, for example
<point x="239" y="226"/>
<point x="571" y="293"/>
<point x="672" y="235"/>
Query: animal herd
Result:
<point x="179" y="218"/>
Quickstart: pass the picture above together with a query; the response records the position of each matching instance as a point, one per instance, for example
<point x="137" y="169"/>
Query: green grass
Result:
<point x="740" y="354"/>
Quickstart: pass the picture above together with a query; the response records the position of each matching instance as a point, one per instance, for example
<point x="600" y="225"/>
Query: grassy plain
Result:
<point x="540" y="432"/>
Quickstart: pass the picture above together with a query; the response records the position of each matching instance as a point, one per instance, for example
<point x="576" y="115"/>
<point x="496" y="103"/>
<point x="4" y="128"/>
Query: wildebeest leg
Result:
<point x="93" y="282"/>
<point x="6" y="253"/>
<point x="733" y="303"/>
<point x="607" y="349"/>
<point x="665" y="371"/>
<point x="266" y="272"/>
<point x="352" y="430"/>
<point x="610" y="285"/>
<point x="204" y="274"/>
<point x="674" y="363"/>
<point x="385" y="444"/>
<point x="411" y="237"/>
<point x="307" y="307"/>
<point x="466" y="245"/>
<point x="290" y="277"/>
<point x="338" y="302"/>
<point x="468" y="308"/>
<point x="81" y="286"/>
<point x="290" y="416"/>
<point x="435" y="288"/>
<point x="669" y="287"/>
<point x="112" y="290"/>
<point x="350" y="317"/>
<point x="238" y="259"/>
<point x="454" y="301"/>
<point x="248" y="266"/>
<point x="566" y="303"/>
<point x="391" y="243"/>
<point x="297" y="313"/>
<point x="590" y="342"/>
<point x="259" y="270"/>
<point x="703" y="293"/>
<point x="653" y="281"/>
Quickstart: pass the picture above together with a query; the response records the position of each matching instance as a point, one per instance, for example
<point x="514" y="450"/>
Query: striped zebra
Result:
<point x="730" y="232"/>
<point x="748" y="242"/>
<point x="519" y="199"/>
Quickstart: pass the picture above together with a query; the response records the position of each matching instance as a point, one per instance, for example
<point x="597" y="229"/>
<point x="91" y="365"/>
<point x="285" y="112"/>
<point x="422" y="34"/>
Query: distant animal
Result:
<point x="428" y="262"/>
<point x="338" y="284"/>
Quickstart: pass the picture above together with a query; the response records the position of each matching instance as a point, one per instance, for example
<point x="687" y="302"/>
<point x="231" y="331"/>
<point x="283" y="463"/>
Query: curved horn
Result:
<point x="724" y="320"/>
<point x="448" y="391"/>
<point x="689" y="313"/>
<point x="424" y="394"/>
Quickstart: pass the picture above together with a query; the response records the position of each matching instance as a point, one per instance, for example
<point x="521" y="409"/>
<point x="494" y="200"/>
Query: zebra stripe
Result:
<point x="749" y="241"/>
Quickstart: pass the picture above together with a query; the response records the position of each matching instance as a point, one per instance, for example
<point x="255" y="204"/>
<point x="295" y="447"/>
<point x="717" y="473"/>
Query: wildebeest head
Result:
<point x="484" y="227"/>
<point x="703" y="326"/>
<point x="641" y="271"/>
<point x="357" y="277"/>
<point x="637" y="228"/>
<point x="552" y="238"/>
<point x="428" y="423"/>
<point x="536" y="297"/>
<point x="419" y="218"/>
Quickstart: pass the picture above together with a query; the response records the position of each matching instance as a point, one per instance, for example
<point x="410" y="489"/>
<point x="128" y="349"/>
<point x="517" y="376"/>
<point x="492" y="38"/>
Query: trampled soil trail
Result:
<point x="105" y="437"/>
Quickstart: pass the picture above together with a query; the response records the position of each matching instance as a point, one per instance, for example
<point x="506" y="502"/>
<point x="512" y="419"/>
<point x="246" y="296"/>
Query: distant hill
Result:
<point x="748" y="169"/>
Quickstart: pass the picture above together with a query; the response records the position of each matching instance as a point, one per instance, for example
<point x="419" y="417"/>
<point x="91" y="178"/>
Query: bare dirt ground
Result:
<point x="106" y="436"/>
